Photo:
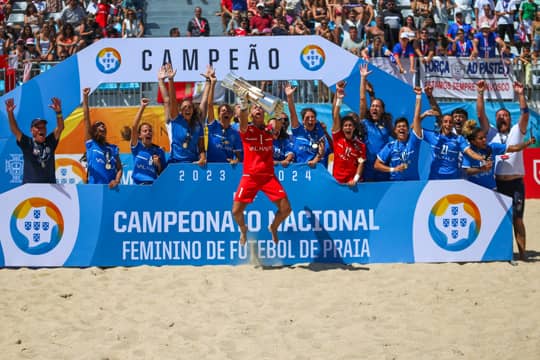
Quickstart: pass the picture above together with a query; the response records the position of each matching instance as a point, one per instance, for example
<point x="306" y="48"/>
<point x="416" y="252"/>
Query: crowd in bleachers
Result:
<point x="420" y="29"/>
<point x="51" y="30"/>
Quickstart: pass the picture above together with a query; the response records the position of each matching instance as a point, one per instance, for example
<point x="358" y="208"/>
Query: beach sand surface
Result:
<point x="381" y="311"/>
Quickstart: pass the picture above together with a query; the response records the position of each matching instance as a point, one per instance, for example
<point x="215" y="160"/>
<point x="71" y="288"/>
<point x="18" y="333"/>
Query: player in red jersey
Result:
<point x="258" y="174"/>
<point x="349" y="150"/>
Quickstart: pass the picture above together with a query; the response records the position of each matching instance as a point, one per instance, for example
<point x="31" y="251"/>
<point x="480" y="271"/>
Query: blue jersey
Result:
<point x="144" y="171"/>
<point x="487" y="178"/>
<point x="306" y="143"/>
<point x="446" y="154"/>
<point x="184" y="140"/>
<point x="396" y="153"/>
<point x="101" y="162"/>
<point x="223" y="143"/>
<point x="282" y="148"/>
<point x="486" y="45"/>
<point x="376" y="137"/>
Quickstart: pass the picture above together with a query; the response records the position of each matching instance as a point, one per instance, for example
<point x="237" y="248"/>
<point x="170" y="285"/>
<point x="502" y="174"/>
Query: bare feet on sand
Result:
<point x="274" y="234"/>
<point x="243" y="235"/>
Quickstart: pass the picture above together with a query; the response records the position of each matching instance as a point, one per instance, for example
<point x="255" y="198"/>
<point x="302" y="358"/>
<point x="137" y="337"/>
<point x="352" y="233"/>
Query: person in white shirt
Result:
<point x="509" y="168"/>
<point x="505" y="10"/>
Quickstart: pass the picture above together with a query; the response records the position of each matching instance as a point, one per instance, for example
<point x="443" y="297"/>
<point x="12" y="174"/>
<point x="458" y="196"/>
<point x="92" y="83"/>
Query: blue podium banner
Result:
<point x="185" y="219"/>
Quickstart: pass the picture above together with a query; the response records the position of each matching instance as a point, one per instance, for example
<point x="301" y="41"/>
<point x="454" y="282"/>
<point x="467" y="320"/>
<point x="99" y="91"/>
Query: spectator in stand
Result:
<point x="38" y="150"/>
<point x="46" y="43"/>
<point x="299" y="28"/>
<point x="399" y="158"/>
<point x="485" y="42"/>
<point x="243" y="29"/>
<point x="26" y="33"/>
<point x="103" y="13"/>
<point x="92" y="7"/>
<point x="535" y="34"/>
<point x="88" y="31"/>
<point x="5" y="41"/>
<point x="33" y="18"/>
<point x="131" y="26"/>
<point x="422" y="9"/>
<point x="441" y="45"/>
<point x="505" y="10"/>
<point x="376" y="49"/>
<point x="281" y="28"/>
<point x="460" y="46"/>
<point x="424" y="47"/>
<point x="479" y="9"/>
<point x="527" y="13"/>
<point x="459" y="25"/>
<point x="309" y="144"/>
<point x="54" y="6"/>
<point x="198" y="25"/>
<point x="324" y="30"/>
<point x="349" y="150"/>
<point x="226" y="14"/>
<point x="293" y="10"/>
<point x="429" y="26"/>
<point x="73" y="14"/>
<point x="261" y="20"/>
<point x="352" y="41"/>
<point x="465" y="8"/>
<point x="33" y="52"/>
<point x="241" y="6"/>
<point x="409" y="28"/>
<point x="41" y="6"/>
<point x="402" y="50"/>
<point x="489" y="17"/>
<point x="5" y="10"/>
<point x="352" y="21"/>
<point x="365" y="12"/>
<point x="441" y="10"/>
<point x="104" y="165"/>
<point x="174" y="32"/>
<point x="318" y="9"/>
<point x="377" y="127"/>
<point x="66" y="42"/>
<point x="380" y="29"/>
<point x="393" y="19"/>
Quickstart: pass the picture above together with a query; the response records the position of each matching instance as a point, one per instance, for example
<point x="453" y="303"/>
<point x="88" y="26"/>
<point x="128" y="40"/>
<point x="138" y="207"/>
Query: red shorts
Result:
<point x="250" y="185"/>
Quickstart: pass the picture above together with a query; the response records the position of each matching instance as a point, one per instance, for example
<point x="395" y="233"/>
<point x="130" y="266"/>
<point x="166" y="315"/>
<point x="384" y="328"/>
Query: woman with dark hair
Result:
<point x="67" y="42"/>
<point x="309" y="141"/>
<point x="148" y="158"/>
<point x="349" y="150"/>
<point x="399" y="157"/>
<point x="26" y="33"/>
<point x="377" y="123"/>
<point x="224" y="143"/>
<point x="104" y="165"/>
<point x="483" y="172"/>
<point x="32" y="17"/>
<point x="283" y="142"/>
<point x="45" y="42"/>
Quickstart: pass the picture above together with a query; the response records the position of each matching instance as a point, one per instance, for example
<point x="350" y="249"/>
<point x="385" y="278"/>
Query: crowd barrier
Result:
<point x="185" y="219"/>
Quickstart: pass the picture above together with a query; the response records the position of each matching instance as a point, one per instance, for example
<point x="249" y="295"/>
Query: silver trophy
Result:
<point x="239" y="86"/>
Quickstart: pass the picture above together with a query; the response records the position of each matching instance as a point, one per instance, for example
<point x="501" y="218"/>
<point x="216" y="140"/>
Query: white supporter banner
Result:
<point x="453" y="77"/>
<point x="456" y="77"/>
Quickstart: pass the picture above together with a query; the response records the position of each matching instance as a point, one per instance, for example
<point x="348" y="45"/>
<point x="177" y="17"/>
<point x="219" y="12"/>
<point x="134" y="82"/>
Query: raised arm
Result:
<point x="428" y="90"/>
<point x="243" y="111"/>
<point x="173" y="105"/>
<point x="521" y="146"/>
<point x="86" y="115"/>
<point x="289" y="91"/>
<point x="203" y="105"/>
<point x="14" y="127"/>
<point x="210" y="103"/>
<point x="137" y="120"/>
<point x="417" y="122"/>
<point x="523" y="107"/>
<point x="56" y="105"/>
<point x="481" y="106"/>
<point x="364" y="72"/>
<point x="162" y="75"/>
<point x="336" y="106"/>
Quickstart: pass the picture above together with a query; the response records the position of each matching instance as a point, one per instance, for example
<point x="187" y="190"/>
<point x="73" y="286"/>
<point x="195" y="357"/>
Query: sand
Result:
<point x="397" y="311"/>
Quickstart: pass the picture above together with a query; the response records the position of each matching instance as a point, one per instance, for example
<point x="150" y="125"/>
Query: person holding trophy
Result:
<point x="399" y="157"/>
<point x="258" y="169"/>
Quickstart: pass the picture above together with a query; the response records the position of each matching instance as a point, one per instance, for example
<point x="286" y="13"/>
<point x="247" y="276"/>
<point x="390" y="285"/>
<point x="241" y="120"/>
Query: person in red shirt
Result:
<point x="258" y="170"/>
<point x="102" y="14"/>
<point x="349" y="150"/>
